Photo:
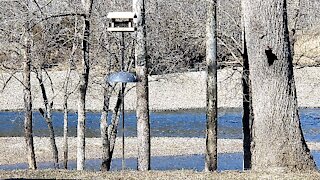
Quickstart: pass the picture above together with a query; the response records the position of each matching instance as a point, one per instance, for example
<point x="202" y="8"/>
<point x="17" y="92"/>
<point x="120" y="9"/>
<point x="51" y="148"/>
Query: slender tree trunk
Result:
<point x="65" y="119"/>
<point x="248" y="117"/>
<point x="211" y="115"/>
<point x="28" y="104"/>
<point x="82" y="98"/>
<point x="65" y="131"/>
<point x="112" y="128"/>
<point x="84" y="77"/>
<point x="109" y="133"/>
<point x="48" y="118"/>
<point x="66" y="97"/>
<point x="277" y="139"/>
<point x="52" y="139"/>
<point x="106" y="157"/>
<point x="143" y="124"/>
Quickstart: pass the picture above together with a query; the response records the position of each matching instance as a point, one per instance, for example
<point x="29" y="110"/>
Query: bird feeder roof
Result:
<point x="121" y="15"/>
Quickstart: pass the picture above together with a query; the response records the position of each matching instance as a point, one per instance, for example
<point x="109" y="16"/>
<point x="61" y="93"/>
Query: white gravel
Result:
<point x="13" y="148"/>
<point x="168" y="92"/>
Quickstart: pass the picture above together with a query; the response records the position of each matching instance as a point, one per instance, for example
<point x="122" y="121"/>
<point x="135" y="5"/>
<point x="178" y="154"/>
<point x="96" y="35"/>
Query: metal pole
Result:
<point x="122" y="51"/>
<point x="122" y="94"/>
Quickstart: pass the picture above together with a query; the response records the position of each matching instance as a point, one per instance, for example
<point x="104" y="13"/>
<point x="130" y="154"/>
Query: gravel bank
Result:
<point x="168" y="92"/>
<point x="13" y="148"/>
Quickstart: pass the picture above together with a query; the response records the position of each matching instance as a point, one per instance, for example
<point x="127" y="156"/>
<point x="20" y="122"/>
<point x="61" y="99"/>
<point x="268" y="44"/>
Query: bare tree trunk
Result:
<point x="82" y="101"/>
<point x="112" y="128"/>
<point x="46" y="114"/>
<point x="109" y="133"/>
<point x="87" y="5"/>
<point x="66" y="97"/>
<point x="65" y="119"/>
<point x="211" y="115"/>
<point x="143" y="124"/>
<point x="248" y="117"/>
<point x="277" y="139"/>
<point x="28" y="104"/>
<point x="106" y="157"/>
<point x="65" y="131"/>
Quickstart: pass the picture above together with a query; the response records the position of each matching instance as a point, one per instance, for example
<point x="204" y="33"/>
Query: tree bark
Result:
<point x="277" y="140"/>
<point x="48" y="118"/>
<point x="142" y="90"/>
<point x="247" y="118"/>
<point x="87" y="6"/>
<point x="211" y="60"/>
<point x="112" y="128"/>
<point x="65" y="118"/>
<point x="106" y="157"/>
<point x="65" y="131"/>
<point x="66" y="97"/>
<point x="28" y="103"/>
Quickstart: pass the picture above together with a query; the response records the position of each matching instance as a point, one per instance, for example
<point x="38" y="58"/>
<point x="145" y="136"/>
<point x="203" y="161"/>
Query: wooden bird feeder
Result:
<point x="121" y="21"/>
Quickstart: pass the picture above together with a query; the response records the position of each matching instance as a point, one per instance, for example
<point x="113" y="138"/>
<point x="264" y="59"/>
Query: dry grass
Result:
<point x="64" y="174"/>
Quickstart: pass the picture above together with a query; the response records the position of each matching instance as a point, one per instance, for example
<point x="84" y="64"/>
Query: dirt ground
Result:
<point x="154" y="175"/>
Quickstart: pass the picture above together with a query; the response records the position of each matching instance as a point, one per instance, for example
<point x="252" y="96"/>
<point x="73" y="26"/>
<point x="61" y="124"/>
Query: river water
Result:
<point x="169" y="124"/>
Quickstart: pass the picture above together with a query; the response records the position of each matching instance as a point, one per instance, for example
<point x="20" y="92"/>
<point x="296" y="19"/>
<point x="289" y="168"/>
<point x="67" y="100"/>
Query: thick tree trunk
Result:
<point x="247" y="118"/>
<point x="28" y="105"/>
<point x="277" y="139"/>
<point x="211" y="59"/>
<point x="143" y="124"/>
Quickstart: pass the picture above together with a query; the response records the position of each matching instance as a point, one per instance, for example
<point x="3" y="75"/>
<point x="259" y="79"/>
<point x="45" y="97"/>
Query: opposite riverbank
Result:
<point x="171" y="92"/>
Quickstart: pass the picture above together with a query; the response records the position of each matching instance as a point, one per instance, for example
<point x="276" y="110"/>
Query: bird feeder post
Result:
<point x="122" y="22"/>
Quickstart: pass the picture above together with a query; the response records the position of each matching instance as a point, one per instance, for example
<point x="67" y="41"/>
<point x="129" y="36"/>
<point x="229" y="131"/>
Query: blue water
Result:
<point x="226" y="161"/>
<point x="172" y="124"/>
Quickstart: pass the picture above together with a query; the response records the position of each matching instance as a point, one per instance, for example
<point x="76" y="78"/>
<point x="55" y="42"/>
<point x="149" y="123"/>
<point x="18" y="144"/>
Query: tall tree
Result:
<point x="26" y="55"/>
<point x="143" y="122"/>
<point x="277" y="139"/>
<point x="211" y="60"/>
<point x="84" y="77"/>
<point x="28" y="102"/>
